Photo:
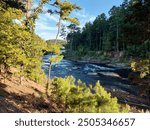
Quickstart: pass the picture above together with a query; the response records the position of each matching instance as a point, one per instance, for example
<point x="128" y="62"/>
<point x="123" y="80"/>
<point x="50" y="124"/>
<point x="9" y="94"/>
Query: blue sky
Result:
<point x="46" y="24"/>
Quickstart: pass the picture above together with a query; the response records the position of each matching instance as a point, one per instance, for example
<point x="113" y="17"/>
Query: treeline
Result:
<point x="126" y="29"/>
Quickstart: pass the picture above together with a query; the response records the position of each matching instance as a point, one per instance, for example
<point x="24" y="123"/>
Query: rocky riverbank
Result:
<point x="112" y="59"/>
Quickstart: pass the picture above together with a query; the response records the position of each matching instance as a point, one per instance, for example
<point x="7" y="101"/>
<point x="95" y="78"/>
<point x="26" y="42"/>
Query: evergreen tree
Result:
<point x="80" y="98"/>
<point x="19" y="48"/>
<point x="64" y="10"/>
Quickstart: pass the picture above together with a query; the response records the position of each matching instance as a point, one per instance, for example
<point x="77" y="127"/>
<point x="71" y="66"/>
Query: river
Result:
<point x="111" y="78"/>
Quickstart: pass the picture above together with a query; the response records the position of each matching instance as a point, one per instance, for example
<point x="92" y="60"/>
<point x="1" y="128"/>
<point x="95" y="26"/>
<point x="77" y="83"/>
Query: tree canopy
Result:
<point x="126" y="29"/>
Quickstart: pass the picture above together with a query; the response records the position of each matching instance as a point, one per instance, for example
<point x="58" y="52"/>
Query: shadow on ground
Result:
<point x="16" y="103"/>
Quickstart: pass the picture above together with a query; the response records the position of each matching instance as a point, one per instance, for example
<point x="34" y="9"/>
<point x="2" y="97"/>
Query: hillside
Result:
<point x="28" y="97"/>
<point x="31" y="97"/>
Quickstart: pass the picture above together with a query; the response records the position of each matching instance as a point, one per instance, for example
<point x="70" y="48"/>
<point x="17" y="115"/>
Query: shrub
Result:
<point x="77" y="97"/>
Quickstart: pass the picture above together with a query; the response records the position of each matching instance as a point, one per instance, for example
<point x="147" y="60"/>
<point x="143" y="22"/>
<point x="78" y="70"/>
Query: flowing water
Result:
<point x="111" y="78"/>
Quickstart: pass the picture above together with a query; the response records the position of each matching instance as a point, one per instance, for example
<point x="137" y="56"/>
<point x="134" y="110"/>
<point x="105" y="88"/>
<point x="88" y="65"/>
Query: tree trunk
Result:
<point x="49" y="72"/>
<point x="123" y="44"/>
<point x="48" y="80"/>
<point x="21" y="77"/>
<point x="2" y="69"/>
<point x="59" y="27"/>
<point x="28" y="8"/>
<point x="100" y="40"/>
<point x="117" y="38"/>
<point x="90" y="41"/>
<point x="71" y="44"/>
<point x="96" y="42"/>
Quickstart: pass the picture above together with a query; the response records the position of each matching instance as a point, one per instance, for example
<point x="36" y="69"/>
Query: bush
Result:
<point x="77" y="97"/>
<point x="138" y="50"/>
<point x="142" y="66"/>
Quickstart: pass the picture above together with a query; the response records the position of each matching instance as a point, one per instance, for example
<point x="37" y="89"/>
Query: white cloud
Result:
<point x="80" y="13"/>
<point x="54" y="18"/>
<point x="44" y="29"/>
<point x="48" y="35"/>
<point x="51" y="17"/>
<point x="84" y="21"/>
<point x="83" y="17"/>
<point x="46" y="25"/>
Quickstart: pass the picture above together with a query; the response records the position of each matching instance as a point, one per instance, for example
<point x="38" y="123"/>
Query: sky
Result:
<point x="46" y="25"/>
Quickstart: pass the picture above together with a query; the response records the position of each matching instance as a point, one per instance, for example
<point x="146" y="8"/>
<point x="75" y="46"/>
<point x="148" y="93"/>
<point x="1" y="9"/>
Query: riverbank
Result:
<point x="112" y="59"/>
<point x="122" y="70"/>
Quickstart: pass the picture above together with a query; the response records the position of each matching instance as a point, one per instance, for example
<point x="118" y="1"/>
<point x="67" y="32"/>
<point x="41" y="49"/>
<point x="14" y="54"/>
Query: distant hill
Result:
<point x="63" y="42"/>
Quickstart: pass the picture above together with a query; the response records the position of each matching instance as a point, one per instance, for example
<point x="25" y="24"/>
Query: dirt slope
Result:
<point x="28" y="97"/>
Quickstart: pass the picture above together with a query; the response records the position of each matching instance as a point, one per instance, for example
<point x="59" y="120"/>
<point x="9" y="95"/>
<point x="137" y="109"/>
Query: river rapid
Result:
<point x="114" y="79"/>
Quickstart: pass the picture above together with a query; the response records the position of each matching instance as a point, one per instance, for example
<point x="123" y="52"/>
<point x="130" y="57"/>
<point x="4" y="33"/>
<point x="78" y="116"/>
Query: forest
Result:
<point x="125" y="29"/>
<point x="31" y="77"/>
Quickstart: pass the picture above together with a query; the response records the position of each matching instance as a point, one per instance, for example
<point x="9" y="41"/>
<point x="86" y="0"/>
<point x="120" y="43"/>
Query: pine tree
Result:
<point x="64" y="10"/>
<point x="19" y="48"/>
<point x="77" y="97"/>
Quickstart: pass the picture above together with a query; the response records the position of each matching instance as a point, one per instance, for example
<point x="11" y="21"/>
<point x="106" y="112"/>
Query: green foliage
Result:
<point x="73" y="20"/>
<point x="10" y="35"/>
<point x="56" y="59"/>
<point x="65" y="8"/>
<point x="138" y="50"/>
<point x="20" y="48"/>
<point x="142" y="66"/>
<point x="82" y="51"/>
<point x="31" y="13"/>
<point x="126" y="29"/>
<point x="77" y="97"/>
<point x="54" y="48"/>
